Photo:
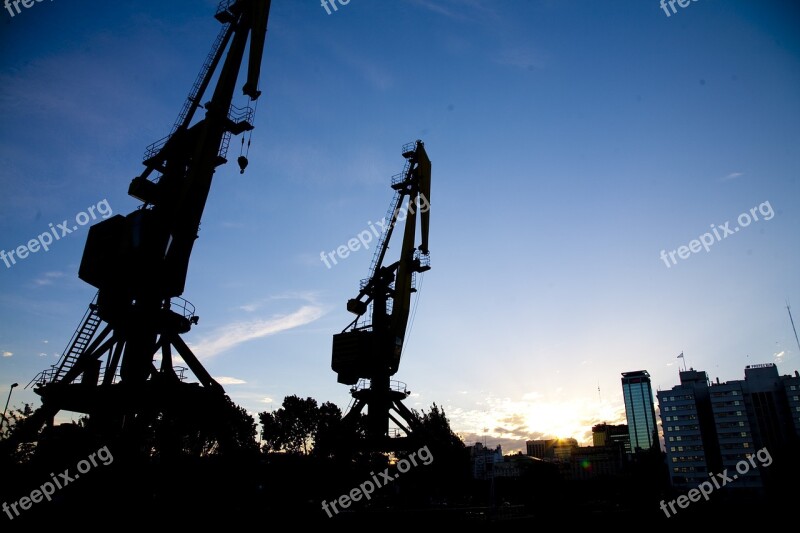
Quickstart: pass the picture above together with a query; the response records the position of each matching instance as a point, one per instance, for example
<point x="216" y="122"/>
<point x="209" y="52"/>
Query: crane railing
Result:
<point x="182" y="307"/>
<point x="394" y="385"/>
<point x="223" y="15"/>
<point x="238" y="117"/>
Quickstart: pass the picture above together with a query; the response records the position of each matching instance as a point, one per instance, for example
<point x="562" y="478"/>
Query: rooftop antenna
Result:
<point x="789" y="309"/>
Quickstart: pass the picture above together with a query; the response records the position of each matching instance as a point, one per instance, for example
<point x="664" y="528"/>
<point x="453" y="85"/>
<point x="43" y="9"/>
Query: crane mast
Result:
<point x="366" y="354"/>
<point x="139" y="262"/>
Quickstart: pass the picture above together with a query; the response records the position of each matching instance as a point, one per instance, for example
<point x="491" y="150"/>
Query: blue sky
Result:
<point x="571" y="142"/>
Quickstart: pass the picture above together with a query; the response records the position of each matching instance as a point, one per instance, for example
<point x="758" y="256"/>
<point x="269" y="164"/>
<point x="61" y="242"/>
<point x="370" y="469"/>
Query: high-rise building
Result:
<point x="733" y="431"/>
<point x="688" y="424"/>
<point x="768" y="406"/>
<point x="640" y="410"/>
<point x="711" y="427"/>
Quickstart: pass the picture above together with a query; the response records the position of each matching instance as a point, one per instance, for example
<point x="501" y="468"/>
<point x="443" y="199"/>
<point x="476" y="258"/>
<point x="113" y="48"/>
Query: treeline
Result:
<point x="210" y="463"/>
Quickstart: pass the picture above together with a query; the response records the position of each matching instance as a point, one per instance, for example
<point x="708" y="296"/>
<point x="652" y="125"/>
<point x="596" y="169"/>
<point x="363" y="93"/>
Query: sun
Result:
<point x="538" y="417"/>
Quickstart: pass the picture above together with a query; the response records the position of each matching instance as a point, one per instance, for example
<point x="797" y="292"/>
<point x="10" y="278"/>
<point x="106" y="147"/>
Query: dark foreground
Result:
<point x="259" y="491"/>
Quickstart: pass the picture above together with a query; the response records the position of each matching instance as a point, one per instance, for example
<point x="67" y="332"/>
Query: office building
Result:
<point x="639" y="410"/>
<point x="688" y="425"/>
<point x="709" y="427"/>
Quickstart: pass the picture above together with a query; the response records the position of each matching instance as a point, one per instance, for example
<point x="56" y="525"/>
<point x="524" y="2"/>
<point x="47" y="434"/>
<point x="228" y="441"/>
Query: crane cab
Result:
<point x="362" y="354"/>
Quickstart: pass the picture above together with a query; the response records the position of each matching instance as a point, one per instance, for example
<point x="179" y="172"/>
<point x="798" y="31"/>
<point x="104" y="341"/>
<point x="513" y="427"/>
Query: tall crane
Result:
<point x="366" y="354"/>
<point x="139" y="262"/>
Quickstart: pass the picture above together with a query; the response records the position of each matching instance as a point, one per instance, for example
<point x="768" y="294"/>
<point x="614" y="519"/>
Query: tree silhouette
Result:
<point x="449" y="470"/>
<point x="435" y="429"/>
<point x="233" y="429"/>
<point x="328" y="430"/>
<point x="21" y="452"/>
<point x="302" y="426"/>
<point x="292" y="427"/>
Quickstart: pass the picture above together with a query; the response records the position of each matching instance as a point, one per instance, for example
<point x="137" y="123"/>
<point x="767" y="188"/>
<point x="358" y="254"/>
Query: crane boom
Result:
<point x="166" y="227"/>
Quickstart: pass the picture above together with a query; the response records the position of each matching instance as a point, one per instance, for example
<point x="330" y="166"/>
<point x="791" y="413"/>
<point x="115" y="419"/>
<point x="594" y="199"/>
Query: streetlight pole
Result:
<point x="6" y="407"/>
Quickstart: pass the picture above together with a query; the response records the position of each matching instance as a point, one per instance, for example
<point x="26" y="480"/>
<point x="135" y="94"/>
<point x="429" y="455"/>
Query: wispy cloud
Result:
<point x="255" y="305"/>
<point x="438" y="7"/>
<point x="177" y="360"/>
<point x="232" y="335"/>
<point x="732" y="176"/>
<point x="227" y="380"/>
<point x="48" y="278"/>
<point x="250" y="399"/>
<point x="456" y="9"/>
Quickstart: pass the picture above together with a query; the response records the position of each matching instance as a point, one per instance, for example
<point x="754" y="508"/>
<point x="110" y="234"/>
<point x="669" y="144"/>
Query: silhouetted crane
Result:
<point x="367" y="353"/>
<point x="139" y="262"/>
